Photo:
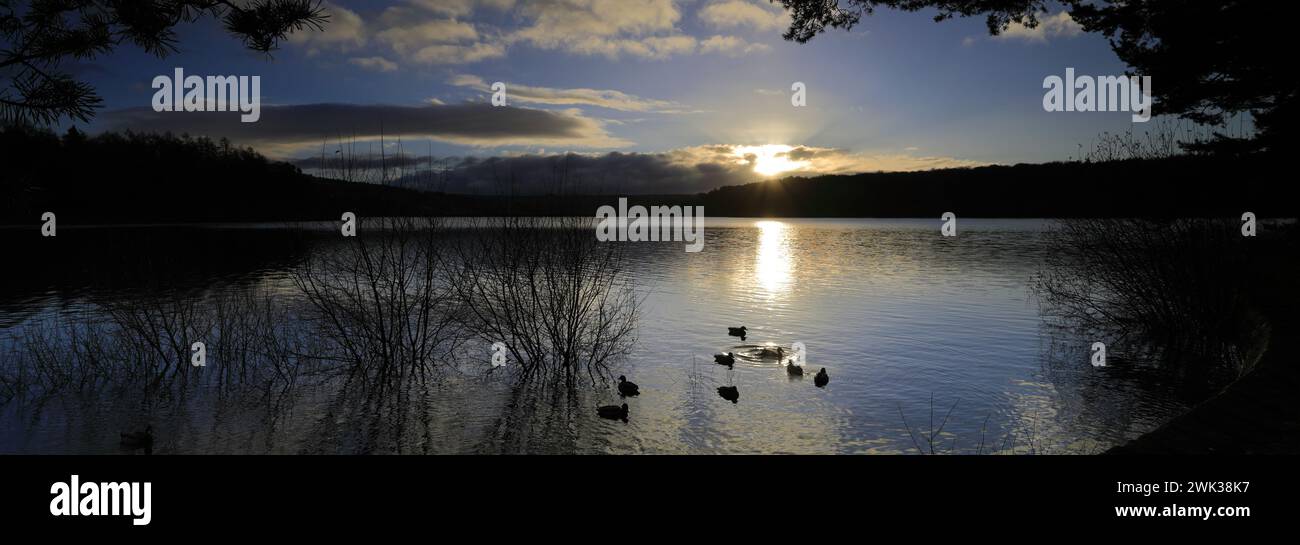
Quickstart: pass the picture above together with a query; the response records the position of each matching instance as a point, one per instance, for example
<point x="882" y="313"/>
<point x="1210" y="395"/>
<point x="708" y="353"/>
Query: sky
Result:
<point x="651" y="96"/>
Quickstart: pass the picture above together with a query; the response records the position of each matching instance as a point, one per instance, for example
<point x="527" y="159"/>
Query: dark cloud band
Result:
<point x="282" y="127"/>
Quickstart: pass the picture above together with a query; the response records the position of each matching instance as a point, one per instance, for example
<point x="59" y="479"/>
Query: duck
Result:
<point x="725" y="358"/>
<point x="626" y="388"/>
<point x="769" y="352"/>
<point x="794" y="370"/>
<point x="613" y="412"/>
<point x="729" y="393"/>
<point x="136" y="439"/>
<point x="737" y="332"/>
<point x="822" y="378"/>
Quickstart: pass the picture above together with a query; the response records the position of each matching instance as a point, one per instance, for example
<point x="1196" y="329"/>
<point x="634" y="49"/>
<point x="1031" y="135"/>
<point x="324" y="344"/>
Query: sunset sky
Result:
<point x="656" y="95"/>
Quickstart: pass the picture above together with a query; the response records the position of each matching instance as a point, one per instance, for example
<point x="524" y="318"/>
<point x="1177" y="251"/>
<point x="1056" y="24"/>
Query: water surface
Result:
<point x="910" y="325"/>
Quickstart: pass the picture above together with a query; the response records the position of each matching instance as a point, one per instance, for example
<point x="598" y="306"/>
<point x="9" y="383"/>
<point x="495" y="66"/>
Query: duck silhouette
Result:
<point x="725" y="358"/>
<point x="822" y="378"/>
<point x="793" y="370"/>
<point x="139" y="439"/>
<point x="737" y="332"/>
<point x="729" y="393"/>
<point x="613" y="412"/>
<point x="626" y="388"/>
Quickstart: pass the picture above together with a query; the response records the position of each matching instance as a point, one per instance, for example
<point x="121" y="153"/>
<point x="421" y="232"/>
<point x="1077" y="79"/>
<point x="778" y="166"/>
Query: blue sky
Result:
<point x="688" y="81"/>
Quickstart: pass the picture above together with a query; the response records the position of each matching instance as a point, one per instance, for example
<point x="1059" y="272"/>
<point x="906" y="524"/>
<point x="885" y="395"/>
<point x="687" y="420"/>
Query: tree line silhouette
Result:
<point x="1179" y="186"/>
<point x="131" y="178"/>
<point x="150" y="178"/>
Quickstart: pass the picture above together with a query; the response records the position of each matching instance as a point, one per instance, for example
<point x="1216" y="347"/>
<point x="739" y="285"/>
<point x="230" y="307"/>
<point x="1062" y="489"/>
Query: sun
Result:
<point x="768" y="159"/>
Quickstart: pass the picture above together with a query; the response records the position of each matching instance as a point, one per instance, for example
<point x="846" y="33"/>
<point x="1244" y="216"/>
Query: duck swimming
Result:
<point x="737" y="332"/>
<point x="613" y="412"/>
<point x="137" y="439"/>
<point x="769" y="352"/>
<point x="729" y="393"/>
<point x="626" y="388"/>
<point x="725" y="358"/>
<point x="822" y="378"/>
<point x="793" y="370"/>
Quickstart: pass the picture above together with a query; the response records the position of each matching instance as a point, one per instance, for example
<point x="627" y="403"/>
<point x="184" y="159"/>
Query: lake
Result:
<point x="932" y="344"/>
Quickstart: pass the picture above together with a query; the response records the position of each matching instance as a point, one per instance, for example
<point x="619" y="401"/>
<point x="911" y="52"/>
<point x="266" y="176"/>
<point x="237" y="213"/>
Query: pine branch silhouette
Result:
<point x="38" y="36"/>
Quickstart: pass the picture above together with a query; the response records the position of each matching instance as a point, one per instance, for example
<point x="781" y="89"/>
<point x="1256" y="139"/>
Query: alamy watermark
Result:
<point x="1099" y="94"/>
<point x="1098" y="354"/>
<point x="655" y="224"/>
<point x="75" y="498"/>
<point x="181" y="93"/>
<point x="949" y="226"/>
<point x="498" y="354"/>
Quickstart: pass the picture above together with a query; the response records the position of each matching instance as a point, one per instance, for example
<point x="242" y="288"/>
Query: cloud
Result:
<point x="460" y="8"/>
<point x="285" y="129"/>
<point x="363" y="162"/>
<point x="378" y="64"/>
<point x="345" y="31"/>
<point x="444" y="32"/>
<point x="611" y="28"/>
<point x="730" y="45"/>
<point x="760" y="15"/>
<point x="604" y="98"/>
<point x="425" y="32"/>
<point x="651" y="47"/>
<point x="607" y="173"/>
<point x="841" y="161"/>
<point x="680" y="171"/>
<point x="453" y="8"/>
<point x="410" y="37"/>
<point x="1052" y="26"/>
<point x="435" y="41"/>
<point x="468" y="80"/>
<point x="458" y="54"/>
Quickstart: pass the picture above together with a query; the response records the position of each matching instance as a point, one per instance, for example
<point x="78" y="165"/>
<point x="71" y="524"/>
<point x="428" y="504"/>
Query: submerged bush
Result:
<point x="1184" y="286"/>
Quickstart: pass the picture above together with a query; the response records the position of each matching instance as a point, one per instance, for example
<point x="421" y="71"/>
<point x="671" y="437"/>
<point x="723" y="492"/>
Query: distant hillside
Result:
<point x="1179" y="186"/>
<point x="146" y="178"/>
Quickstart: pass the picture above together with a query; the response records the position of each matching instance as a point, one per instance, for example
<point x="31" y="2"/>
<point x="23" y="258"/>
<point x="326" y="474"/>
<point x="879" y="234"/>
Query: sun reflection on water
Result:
<point x="773" y="265"/>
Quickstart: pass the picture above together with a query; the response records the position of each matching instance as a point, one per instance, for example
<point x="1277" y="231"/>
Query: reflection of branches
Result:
<point x="551" y="292"/>
<point x="145" y="343"/>
<point x="382" y="301"/>
<point x="159" y="332"/>
<point x="371" y="318"/>
<point x="257" y="341"/>
<point x="1182" y="283"/>
<point x="934" y="433"/>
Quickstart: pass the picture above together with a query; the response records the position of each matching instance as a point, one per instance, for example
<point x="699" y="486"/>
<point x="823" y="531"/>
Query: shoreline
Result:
<point x="1257" y="414"/>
